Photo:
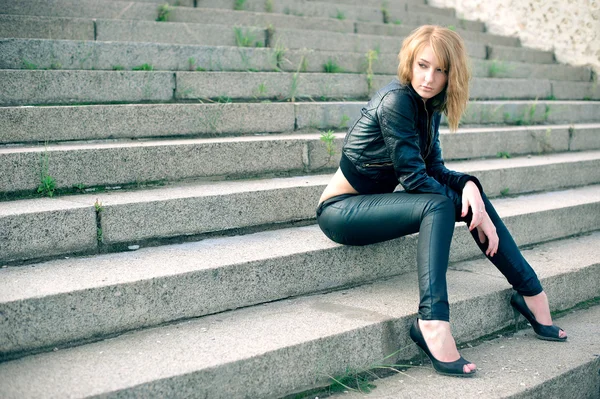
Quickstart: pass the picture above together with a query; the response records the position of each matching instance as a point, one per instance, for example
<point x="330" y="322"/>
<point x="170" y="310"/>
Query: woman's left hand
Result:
<point x="471" y="197"/>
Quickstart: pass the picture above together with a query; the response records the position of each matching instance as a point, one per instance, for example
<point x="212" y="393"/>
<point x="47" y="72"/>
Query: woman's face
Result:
<point x="428" y="78"/>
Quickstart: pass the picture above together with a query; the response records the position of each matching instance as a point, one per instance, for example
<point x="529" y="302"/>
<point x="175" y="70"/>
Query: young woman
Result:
<point x="396" y="141"/>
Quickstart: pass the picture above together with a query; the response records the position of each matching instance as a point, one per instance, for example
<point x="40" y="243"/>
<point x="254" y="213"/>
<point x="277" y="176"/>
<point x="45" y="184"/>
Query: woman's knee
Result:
<point x="439" y="204"/>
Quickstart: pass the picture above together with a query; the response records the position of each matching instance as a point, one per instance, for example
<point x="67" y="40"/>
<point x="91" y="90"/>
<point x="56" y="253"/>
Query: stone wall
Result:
<point x="570" y="28"/>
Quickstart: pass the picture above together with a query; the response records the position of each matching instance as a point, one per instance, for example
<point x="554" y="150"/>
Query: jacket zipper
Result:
<point x="378" y="164"/>
<point x="429" y="135"/>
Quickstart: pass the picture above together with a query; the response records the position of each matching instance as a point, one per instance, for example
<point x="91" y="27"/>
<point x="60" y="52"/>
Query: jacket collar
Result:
<point x="433" y="104"/>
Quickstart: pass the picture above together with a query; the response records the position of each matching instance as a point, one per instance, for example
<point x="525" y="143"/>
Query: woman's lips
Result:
<point x="427" y="88"/>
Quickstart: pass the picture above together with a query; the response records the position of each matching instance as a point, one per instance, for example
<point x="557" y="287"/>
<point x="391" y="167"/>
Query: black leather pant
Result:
<point x="366" y="219"/>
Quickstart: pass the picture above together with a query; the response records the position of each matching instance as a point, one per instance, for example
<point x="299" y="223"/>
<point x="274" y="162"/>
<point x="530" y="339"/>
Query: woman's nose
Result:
<point x="429" y="75"/>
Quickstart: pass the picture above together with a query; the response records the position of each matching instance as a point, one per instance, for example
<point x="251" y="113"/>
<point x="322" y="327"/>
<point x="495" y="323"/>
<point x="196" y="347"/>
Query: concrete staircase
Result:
<point x="199" y="140"/>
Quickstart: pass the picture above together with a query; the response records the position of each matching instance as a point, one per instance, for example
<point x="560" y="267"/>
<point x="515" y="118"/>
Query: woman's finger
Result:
<point x="465" y="206"/>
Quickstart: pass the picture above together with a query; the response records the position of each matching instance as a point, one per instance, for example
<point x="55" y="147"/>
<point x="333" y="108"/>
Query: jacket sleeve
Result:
<point x="436" y="169"/>
<point x="397" y="114"/>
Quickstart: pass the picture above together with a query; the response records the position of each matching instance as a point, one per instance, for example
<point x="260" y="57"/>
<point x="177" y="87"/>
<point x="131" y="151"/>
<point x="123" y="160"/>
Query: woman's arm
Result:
<point x="397" y="112"/>
<point x="437" y="170"/>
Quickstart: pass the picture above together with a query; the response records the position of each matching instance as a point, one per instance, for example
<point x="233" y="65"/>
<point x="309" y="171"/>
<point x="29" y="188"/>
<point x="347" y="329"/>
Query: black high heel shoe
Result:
<point x="454" y="369"/>
<point x="542" y="331"/>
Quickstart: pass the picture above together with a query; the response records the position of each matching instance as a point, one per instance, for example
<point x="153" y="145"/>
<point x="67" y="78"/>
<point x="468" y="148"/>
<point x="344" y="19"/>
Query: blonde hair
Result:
<point x="451" y="54"/>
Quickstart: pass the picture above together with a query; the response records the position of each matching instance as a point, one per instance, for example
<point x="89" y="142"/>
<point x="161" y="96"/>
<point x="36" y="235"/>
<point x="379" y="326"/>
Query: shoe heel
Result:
<point x="421" y="358"/>
<point x="516" y="315"/>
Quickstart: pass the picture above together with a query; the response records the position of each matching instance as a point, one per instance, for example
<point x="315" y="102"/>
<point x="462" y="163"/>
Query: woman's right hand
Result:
<point x="487" y="230"/>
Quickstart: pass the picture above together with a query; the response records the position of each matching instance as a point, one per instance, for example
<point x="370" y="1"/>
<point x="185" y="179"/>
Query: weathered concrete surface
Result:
<point x="81" y="9"/>
<point x="516" y="366"/>
<point x="370" y="322"/>
<point x="332" y="115"/>
<point x="404" y="30"/>
<point x="492" y="141"/>
<point x="537" y="173"/>
<point x="18" y="26"/>
<point x="176" y="33"/>
<point x="41" y="228"/>
<point x="426" y="17"/>
<point x="584" y="138"/>
<point x="147" y="161"/>
<point x="266" y="85"/>
<point x="108" y="55"/>
<point x="369" y="3"/>
<point x="88" y="55"/>
<point x="520" y="54"/>
<point x="196" y="209"/>
<point x="151" y="161"/>
<point x="260" y="19"/>
<point x="297" y="39"/>
<point x="40" y="124"/>
<point x="188" y="209"/>
<point x="67" y="87"/>
<point x="173" y="3"/>
<point x="530" y="112"/>
<point x="576" y="90"/>
<point x="507" y="69"/>
<point x="515" y="89"/>
<point x="304" y="8"/>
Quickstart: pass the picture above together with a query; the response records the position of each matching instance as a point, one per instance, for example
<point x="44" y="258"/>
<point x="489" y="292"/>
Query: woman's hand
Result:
<point x="487" y="229"/>
<point x="471" y="197"/>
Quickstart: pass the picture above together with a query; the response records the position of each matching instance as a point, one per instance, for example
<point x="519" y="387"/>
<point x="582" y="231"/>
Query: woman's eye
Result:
<point x="422" y="65"/>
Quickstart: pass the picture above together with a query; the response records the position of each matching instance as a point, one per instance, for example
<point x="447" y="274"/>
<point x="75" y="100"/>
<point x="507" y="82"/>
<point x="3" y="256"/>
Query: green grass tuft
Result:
<point x="164" y="11"/>
<point x="332" y="67"/>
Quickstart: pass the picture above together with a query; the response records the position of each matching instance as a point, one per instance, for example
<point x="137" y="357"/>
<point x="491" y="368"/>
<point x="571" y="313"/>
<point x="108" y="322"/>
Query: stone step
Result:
<point x="173" y="3"/>
<point x="63" y="123"/>
<point x="342" y="16"/>
<point x="225" y="35"/>
<point x="23" y="26"/>
<point x="184" y="211"/>
<point x="114" y="163"/>
<point x="512" y="366"/>
<point x="31" y="124"/>
<point x="83" y="87"/>
<point x="280" y="347"/>
<point x="403" y="30"/>
<point x="33" y="27"/>
<point x="81" y="8"/>
<point x="97" y="55"/>
<point x="36" y="87"/>
<point x="398" y="14"/>
<point x="371" y="3"/>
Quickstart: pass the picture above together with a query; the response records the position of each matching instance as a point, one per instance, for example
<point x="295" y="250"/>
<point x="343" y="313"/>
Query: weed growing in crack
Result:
<point x="245" y="38"/>
<point x="279" y="55"/>
<point x="372" y="56"/>
<point x="496" y="68"/>
<point x="269" y="6"/>
<point x="385" y="13"/>
<point x="29" y="65"/>
<point x="143" y="67"/>
<point x="164" y="11"/>
<point x="344" y="121"/>
<point x="294" y="85"/>
<point x="47" y="183"/>
<point x="239" y="5"/>
<point x="332" y="67"/>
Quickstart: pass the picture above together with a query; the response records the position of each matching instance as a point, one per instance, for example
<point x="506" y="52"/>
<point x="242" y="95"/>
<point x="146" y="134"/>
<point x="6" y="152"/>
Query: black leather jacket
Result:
<point x="396" y="140"/>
